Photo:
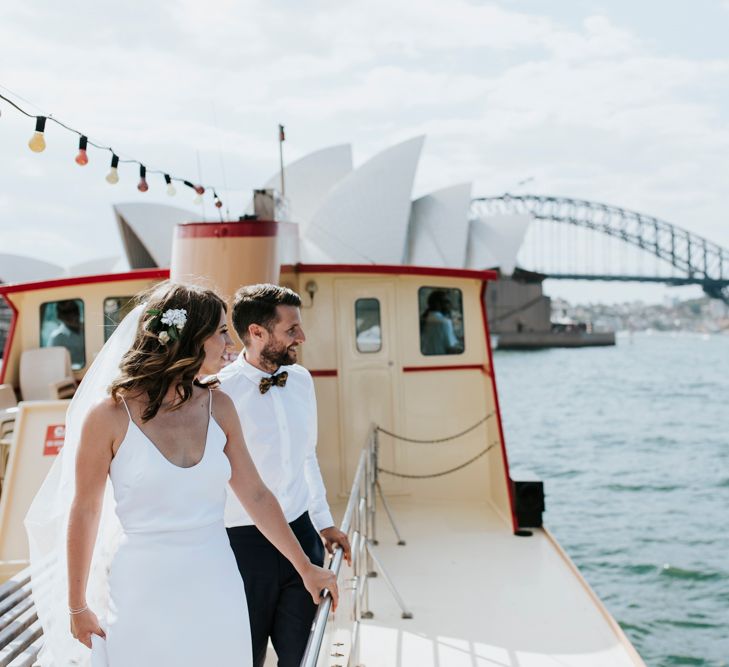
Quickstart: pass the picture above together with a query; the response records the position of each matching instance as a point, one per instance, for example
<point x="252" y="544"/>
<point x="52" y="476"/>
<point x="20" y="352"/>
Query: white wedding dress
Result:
<point x="175" y="594"/>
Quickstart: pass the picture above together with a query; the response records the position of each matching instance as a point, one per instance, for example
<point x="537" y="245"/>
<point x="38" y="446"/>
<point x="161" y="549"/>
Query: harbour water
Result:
<point x="632" y="443"/>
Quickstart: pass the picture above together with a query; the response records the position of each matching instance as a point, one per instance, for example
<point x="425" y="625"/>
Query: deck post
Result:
<point x="400" y="541"/>
<point x="390" y="585"/>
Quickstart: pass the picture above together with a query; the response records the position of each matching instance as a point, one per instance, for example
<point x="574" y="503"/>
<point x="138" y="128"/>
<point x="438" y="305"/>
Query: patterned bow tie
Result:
<point x="278" y="380"/>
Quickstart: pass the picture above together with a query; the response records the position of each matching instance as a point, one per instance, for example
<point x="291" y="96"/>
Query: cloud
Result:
<point x="588" y="108"/>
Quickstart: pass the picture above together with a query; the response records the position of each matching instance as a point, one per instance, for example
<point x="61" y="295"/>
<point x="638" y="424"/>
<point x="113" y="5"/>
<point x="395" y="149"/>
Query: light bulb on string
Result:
<point x="199" y="190"/>
<point x="82" y="158"/>
<point x="142" y="185"/>
<point x="218" y="203"/>
<point x="170" y="188"/>
<point x="37" y="142"/>
<point x="113" y="176"/>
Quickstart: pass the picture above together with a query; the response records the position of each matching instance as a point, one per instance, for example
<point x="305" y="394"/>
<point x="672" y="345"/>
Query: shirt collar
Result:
<point x="250" y="371"/>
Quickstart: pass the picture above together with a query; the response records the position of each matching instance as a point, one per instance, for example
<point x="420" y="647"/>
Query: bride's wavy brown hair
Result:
<point x="150" y="367"/>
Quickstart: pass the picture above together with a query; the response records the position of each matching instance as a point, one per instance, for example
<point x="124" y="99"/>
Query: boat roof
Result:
<point x="397" y="269"/>
<point x="10" y="288"/>
<point x="392" y="269"/>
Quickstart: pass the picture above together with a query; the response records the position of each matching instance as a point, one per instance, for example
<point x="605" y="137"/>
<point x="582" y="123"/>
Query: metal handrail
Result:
<point x="316" y="637"/>
<point x="359" y="524"/>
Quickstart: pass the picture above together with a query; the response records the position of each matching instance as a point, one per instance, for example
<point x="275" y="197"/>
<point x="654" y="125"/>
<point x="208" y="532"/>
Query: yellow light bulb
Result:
<point x="37" y="143"/>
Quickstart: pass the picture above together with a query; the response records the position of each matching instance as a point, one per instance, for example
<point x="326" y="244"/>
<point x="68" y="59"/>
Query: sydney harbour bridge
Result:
<point x="574" y="239"/>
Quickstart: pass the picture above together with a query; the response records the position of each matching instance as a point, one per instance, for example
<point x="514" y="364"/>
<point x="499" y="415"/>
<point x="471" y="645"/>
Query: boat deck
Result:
<point x="482" y="597"/>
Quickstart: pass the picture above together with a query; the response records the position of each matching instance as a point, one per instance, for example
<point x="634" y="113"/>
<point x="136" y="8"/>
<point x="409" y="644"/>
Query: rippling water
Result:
<point x="632" y="443"/>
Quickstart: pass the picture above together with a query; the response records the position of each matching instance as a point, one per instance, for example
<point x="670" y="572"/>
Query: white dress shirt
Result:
<point x="280" y="429"/>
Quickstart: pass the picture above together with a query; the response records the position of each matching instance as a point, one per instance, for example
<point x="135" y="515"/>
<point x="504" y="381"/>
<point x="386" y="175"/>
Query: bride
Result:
<point x="151" y="579"/>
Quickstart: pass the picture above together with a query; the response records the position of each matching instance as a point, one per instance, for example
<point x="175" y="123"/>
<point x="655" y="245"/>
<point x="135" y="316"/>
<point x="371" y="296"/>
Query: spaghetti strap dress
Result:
<point x="175" y="594"/>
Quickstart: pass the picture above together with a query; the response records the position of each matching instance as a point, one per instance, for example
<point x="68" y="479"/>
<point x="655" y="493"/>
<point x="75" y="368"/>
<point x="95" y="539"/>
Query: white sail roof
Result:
<point x="309" y="179"/>
<point x="23" y="269"/>
<point x="97" y="266"/>
<point x="147" y="230"/>
<point x="495" y="241"/>
<point x="438" y="230"/>
<point x="365" y="216"/>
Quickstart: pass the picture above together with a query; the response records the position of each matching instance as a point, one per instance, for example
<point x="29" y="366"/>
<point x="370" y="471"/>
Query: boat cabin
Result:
<point x="410" y="446"/>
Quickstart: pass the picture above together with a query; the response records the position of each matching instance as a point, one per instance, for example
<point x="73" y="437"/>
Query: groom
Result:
<point x="275" y="400"/>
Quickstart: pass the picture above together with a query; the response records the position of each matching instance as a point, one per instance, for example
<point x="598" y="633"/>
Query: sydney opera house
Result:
<point x="349" y="215"/>
<point x="344" y="215"/>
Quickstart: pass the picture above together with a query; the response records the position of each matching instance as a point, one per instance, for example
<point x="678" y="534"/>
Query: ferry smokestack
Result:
<point x="225" y="255"/>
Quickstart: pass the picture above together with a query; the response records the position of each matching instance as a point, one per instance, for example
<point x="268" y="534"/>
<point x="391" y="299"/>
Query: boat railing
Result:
<point x="359" y="524"/>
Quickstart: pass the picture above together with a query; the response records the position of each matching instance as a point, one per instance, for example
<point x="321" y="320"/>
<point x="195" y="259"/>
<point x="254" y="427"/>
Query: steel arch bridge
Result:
<point x="694" y="259"/>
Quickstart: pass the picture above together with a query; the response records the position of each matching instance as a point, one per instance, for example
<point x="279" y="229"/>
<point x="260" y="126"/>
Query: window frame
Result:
<point x="41" y="312"/>
<point x="105" y="324"/>
<point x="461" y="339"/>
<point x="357" y="333"/>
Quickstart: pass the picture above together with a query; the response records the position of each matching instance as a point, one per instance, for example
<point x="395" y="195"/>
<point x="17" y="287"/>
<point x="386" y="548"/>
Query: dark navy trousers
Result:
<point x="278" y="604"/>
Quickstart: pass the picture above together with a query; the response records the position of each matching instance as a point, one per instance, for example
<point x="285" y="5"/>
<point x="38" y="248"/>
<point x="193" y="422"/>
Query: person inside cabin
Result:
<point x="276" y="404"/>
<point x="437" y="334"/>
<point x="68" y="333"/>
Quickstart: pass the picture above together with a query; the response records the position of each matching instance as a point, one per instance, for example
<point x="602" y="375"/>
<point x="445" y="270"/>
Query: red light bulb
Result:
<point x="142" y="185"/>
<point x="82" y="158"/>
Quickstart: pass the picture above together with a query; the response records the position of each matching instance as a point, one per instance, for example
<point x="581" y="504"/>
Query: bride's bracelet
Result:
<point x="80" y="610"/>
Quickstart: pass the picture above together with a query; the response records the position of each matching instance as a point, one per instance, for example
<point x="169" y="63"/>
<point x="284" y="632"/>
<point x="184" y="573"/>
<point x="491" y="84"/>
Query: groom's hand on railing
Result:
<point x="332" y="536"/>
<point x="316" y="579"/>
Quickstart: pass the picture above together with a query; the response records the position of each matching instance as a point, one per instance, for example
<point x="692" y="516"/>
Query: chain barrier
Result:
<point x="442" y="473"/>
<point x="437" y="440"/>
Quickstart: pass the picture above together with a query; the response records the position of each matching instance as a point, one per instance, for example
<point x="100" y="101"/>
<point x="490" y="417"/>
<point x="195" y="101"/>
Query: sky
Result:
<point x="618" y="102"/>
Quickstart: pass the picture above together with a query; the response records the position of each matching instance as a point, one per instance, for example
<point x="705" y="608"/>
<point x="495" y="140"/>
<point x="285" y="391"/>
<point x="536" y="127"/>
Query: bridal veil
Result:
<point x="47" y="518"/>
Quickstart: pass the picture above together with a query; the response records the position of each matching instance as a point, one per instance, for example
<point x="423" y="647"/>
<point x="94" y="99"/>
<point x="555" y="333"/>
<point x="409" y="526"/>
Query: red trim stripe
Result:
<point x="492" y="375"/>
<point x="198" y="230"/>
<point x="140" y="274"/>
<point x="9" y="340"/>
<point x="462" y="367"/>
<point x="327" y="373"/>
<point x="395" y="269"/>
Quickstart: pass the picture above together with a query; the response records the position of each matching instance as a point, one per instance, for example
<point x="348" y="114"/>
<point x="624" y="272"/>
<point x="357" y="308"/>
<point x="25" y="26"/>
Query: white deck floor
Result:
<point x="481" y="597"/>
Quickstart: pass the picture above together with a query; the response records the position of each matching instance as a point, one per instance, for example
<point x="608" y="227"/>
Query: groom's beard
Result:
<point x="277" y="354"/>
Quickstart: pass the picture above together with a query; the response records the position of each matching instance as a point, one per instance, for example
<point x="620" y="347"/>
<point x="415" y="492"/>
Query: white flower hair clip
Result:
<point x="167" y="325"/>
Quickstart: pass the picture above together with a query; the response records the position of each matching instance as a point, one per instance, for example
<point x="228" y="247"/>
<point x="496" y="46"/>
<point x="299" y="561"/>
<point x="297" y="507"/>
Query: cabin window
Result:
<point x="367" y="323"/>
<point x="116" y="309"/>
<point x="5" y="319"/>
<point x="62" y="325"/>
<point x="441" y="320"/>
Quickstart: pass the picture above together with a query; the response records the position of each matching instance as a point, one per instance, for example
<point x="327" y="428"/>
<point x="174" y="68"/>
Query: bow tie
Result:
<point x="278" y="380"/>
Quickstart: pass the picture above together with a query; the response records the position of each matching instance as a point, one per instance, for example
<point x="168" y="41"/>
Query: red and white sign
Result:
<point x="55" y="435"/>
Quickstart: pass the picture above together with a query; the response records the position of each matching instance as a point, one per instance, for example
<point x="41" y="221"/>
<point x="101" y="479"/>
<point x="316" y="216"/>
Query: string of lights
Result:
<point x="37" y="144"/>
